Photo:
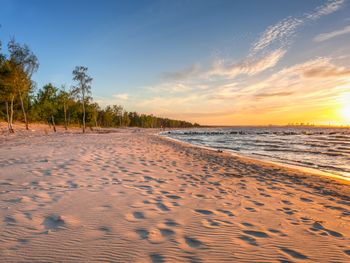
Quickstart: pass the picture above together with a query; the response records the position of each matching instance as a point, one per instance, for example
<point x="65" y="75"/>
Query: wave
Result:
<point x="325" y="149"/>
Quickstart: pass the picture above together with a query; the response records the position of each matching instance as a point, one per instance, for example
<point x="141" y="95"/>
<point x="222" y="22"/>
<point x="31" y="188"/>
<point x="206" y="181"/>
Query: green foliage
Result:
<point x="46" y="102"/>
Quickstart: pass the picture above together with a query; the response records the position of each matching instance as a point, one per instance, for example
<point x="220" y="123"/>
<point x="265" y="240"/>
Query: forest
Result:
<point x="22" y="101"/>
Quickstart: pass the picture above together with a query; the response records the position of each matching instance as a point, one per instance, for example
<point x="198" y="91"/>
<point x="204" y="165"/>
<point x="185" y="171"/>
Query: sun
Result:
<point x="345" y="112"/>
<point x="344" y="107"/>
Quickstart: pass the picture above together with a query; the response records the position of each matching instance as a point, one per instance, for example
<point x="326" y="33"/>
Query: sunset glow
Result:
<point x="345" y="109"/>
<point x="211" y="62"/>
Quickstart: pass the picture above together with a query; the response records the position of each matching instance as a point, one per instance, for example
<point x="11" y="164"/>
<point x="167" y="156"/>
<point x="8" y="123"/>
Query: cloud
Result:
<point x="319" y="68"/>
<point x="326" y="71"/>
<point x="175" y="87"/>
<point x="282" y="32"/>
<point x="329" y="35"/>
<point x="330" y="7"/>
<point x="274" y="94"/>
<point x="220" y="68"/>
<point x="248" y="66"/>
<point x="182" y="74"/>
<point x="305" y="80"/>
<point x="121" y="96"/>
<point x="279" y="32"/>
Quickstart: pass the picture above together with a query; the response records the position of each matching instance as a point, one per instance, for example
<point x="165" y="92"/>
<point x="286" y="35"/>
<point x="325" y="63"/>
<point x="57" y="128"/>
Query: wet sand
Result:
<point x="132" y="196"/>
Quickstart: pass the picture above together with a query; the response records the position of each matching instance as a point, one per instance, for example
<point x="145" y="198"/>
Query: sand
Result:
<point x="131" y="196"/>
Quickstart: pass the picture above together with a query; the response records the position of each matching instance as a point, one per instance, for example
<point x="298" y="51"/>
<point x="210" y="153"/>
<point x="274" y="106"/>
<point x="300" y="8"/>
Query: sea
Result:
<point x="323" y="149"/>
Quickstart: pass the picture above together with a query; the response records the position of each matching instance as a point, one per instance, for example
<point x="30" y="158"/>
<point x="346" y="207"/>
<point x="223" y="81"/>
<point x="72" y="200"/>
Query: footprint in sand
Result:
<point x="226" y="212"/>
<point x="135" y="216"/>
<point x="287" y="210"/>
<point x="166" y="232"/>
<point x="157" y="258"/>
<point x="143" y="233"/>
<point x="138" y="215"/>
<point x="257" y="203"/>
<point x="213" y="223"/>
<point x="256" y="233"/>
<point x="249" y="240"/>
<point x="204" y="212"/>
<point x="173" y="197"/>
<point x="265" y="195"/>
<point x="105" y="229"/>
<point x="250" y="209"/>
<point x="171" y="223"/>
<point x="293" y="253"/>
<point x="276" y="231"/>
<point x="9" y="220"/>
<point x="306" y="200"/>
<point x="162" y="207"/>
<point x="317" y="226"/>
<point x="287" y="202"/>
<point x="193" y="242"/>
<point x="53" y="222"/>
<point x="23" y="241"/>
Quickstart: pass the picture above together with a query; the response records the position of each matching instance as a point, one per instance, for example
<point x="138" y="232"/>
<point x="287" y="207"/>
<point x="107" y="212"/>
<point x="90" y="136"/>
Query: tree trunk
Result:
<point x="23" y="110"/>
<point x="9" y="126"/>
<point x="65" y="116"/>
<point x="53" y="123"/>
<point x="11" y="115"/>
<point x="83" y="114"/>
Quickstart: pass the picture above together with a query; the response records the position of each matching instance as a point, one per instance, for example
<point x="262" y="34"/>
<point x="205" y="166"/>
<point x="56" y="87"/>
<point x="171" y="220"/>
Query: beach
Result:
<point x="133" y="196"/>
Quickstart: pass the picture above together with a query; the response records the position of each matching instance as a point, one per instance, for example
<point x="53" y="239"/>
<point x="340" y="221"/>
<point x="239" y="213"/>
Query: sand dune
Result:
<point x="134" y="197"/>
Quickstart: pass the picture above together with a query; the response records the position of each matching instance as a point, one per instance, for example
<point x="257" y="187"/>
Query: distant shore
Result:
<point x="133" y="196"/>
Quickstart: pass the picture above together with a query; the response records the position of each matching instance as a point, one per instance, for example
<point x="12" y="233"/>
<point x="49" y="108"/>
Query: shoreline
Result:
<point x="262" y="161"/>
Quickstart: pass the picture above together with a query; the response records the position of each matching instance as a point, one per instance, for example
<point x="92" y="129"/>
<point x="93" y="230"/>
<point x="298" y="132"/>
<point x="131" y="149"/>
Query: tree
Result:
<point x="83" y="87"/>
<point x="7" y="91"/>
<point x="95" y="108"/>
<point x="23" y="64"/>
<point x="47" y="101"/>
<point x="118" y="113"/>
<point x="65" y="99"/>
<point x="126" y="119"/>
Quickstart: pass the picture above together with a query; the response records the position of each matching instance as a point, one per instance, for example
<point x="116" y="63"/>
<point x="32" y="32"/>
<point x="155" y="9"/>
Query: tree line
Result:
<point x="20" y="100"/>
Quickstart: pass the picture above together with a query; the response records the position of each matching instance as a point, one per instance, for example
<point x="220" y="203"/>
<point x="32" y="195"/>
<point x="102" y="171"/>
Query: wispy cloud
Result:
<point x="249" y="66"/>
<point x="301" y="80"/>
<point x="333" y="34"/>
<point x="274" y="94"/>
<point x="278" y="33"/>
<point x="330" y="7"/>
<point x="182" y="74"/>
<point x="282" y="32"/>
<point x="323" y="68"/>
<point x="121" y="96"/>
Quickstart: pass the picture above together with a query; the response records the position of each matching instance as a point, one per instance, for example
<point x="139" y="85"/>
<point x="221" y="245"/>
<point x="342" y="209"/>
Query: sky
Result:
<point x="219" y="62"/>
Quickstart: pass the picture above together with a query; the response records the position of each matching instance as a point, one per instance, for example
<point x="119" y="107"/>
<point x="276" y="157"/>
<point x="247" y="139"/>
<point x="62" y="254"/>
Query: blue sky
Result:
<point x="215" y="62"/>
